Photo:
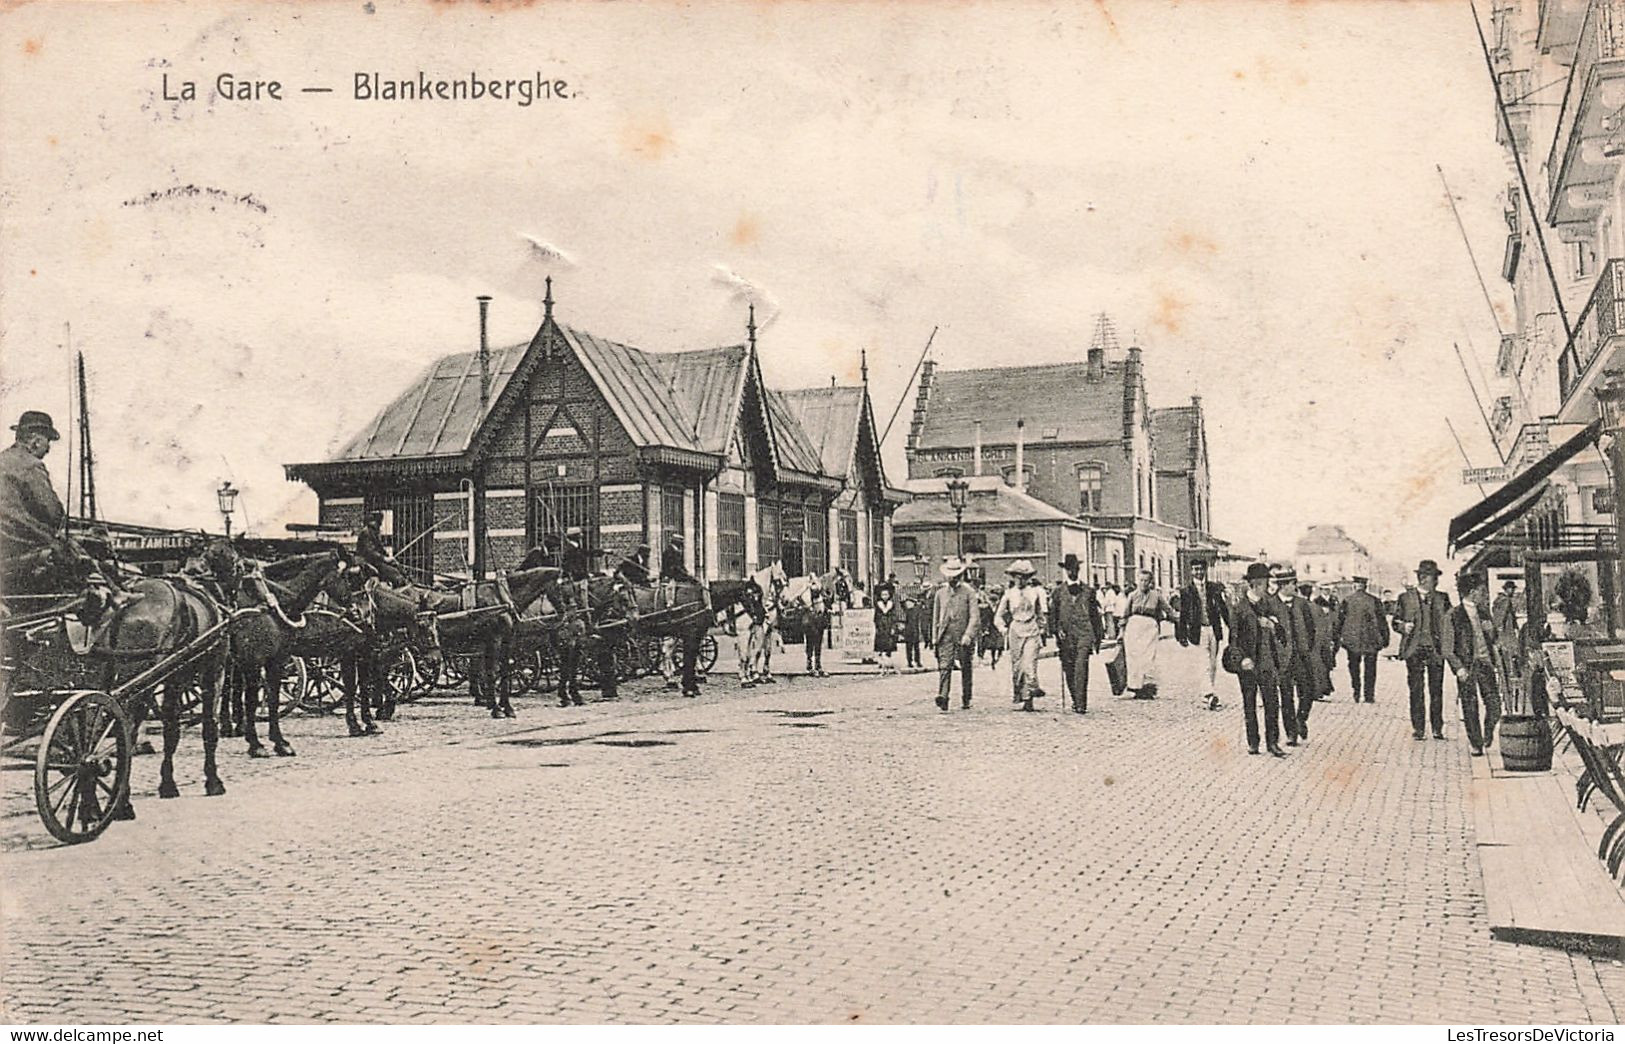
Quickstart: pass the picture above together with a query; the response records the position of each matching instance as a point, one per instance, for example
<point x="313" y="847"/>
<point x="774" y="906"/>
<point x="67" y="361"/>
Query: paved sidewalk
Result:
<point x="831" y="850"/>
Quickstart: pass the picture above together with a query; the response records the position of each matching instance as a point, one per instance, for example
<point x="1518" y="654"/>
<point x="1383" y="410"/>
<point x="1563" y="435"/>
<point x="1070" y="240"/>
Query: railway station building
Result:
<point x="488" y="452"/>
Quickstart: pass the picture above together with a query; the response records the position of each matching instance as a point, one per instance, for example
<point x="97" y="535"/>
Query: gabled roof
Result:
<point x="1058" y="398"/>
<point x="1173" y="430"/>
<point x="991" y="500"/>
<point x="689" y="401"/>
<point x="829" y="418"/>
<point x="437" y="414"/>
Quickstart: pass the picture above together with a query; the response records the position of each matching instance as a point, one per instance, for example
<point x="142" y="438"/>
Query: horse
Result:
<point x="263" y="643"/>
<point x="679" y="609"/>
<point x="755" y="646"/>
<point x="597" y="609"/>
<point x="482" y="620"/>
<point x="357" y="630"/>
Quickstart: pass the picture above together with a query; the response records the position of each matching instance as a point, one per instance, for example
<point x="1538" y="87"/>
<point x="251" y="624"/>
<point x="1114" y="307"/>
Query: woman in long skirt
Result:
<point x="1142" y="629"/>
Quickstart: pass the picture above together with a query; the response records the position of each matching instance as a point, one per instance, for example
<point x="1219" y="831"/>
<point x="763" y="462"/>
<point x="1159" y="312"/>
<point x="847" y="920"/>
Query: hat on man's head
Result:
<point x="1020" y="567"/>
<point x="1361" y="579"/>
<point x="953" y="567"/>
<point x="1470" y="580"/>
<point x="35" y="420"/>
<point x="642" y="547"/>
<point x="1283" y="573"/>
<point x="1428" y="567"/>
<point x="1070" y="562"/>
<point x="1257" y="571"/>
<point x="676" y="538"/>
<point x="1510" y="585"/>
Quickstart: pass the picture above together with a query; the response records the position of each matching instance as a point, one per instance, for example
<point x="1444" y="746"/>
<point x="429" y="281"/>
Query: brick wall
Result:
<point x="349" y="516"/>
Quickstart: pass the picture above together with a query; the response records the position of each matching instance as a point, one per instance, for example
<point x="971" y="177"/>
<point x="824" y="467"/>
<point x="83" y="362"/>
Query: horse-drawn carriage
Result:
<point x="70" y="703"/>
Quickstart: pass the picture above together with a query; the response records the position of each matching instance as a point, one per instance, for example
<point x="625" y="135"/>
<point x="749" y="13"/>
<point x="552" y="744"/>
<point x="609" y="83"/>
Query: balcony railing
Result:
<point x="1603" y="318"/>
<point x="1602" y="37"/>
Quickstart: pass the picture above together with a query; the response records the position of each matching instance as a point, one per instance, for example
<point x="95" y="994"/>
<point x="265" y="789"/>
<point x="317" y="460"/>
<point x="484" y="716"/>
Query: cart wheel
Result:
<point x="401" y="674"/>
<point x="530" y="672"/>
<point x="547" y="670"/>
<point x="82" y="770"/>
<point x="295" y="686"/>
<point x="324" y="685"/>
<point x="708" y="654"/>
<point x="453" y="672"/>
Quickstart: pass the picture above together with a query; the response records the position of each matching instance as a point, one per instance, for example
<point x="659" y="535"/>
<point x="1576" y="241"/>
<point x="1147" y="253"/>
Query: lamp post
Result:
<point x="1183" y="539"/>
<point x="1610" y="394"/>
<point x="226" y="496"/>
<point x="958" y="496"/>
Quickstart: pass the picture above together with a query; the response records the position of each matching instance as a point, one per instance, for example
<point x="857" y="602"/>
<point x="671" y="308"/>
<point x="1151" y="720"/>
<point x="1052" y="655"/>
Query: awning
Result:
<point x="1508" y="503"/>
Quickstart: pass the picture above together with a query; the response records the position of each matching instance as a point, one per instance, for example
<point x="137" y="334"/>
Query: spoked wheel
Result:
<point x="547" y="670"/>
<point x="453" y="671"/>
<point x="525" y="670"/>
<point x="82" y="770"/>
<point x="402" y="676"/>
<point x="295" y="685"/>
<point x="708" y="654"/>
<point x="324" y="684"/>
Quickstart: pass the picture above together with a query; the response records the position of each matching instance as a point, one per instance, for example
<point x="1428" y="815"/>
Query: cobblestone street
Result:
<point x="830" y="851"/>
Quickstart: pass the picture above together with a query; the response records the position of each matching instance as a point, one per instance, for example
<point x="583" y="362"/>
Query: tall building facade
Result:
<point x="1082" y="438"/>
<point x="1559" y="77"/>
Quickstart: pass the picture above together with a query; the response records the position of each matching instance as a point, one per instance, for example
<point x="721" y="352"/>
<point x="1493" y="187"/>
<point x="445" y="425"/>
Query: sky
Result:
<point x="1247" y="187"/>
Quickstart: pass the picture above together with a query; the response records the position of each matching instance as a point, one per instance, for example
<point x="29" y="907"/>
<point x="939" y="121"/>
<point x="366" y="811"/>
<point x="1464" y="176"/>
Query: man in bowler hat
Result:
<point x="1474" y="653"/>
<point x="1423" y="620"/>
<point x="1255" y="633"/>
<point x="1074" y="616"/>
<point x="31" y="516"/>
<point x="1361" y="626"/>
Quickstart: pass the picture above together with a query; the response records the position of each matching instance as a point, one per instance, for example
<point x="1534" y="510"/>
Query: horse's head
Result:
<point x="223" y="562"/>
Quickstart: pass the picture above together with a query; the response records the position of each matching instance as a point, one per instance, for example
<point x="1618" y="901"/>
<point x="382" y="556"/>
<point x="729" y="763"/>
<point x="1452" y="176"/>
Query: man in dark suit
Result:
<point x="1361" y="627"/>
<point x="1256" y="633"/>
<point x="1473" y="654"/>
<point x="1297" y="678"/>
<point x="672" y="566"/>
<point x="634" y="568"/>
<point x="1423" y="621"/>
<point x="369" y="547"/>
<point x="1074" y="619"/>
<point x="1203" y="617"/>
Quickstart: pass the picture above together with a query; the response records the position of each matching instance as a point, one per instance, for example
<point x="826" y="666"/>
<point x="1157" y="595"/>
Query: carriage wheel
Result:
<point x="628" y="661"/>
<point x="525" y="671"/>
<point x="295" y="686"/>
<point x="708" y="654"/>
<point x="324" y="685"/>
<point x="402" y="677"/>
<point x="82" y="770"/>
<point x="547" y="670"/>
<point x="453" y="671"/>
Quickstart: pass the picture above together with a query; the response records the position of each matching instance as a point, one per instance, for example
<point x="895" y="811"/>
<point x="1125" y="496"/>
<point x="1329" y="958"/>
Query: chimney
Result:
<point x="1097" y="363"/>
<point x="1021" y="455"/>
<point x="1132" y="387"/>
<point x="485" y="354"/>
<point x="976" y="451"/>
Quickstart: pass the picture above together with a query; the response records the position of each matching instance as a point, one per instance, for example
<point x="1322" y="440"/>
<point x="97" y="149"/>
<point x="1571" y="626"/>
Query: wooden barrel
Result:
<point x="1526" y="744"/>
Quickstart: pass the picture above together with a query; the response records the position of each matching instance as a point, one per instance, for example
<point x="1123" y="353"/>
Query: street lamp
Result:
<point x="227" y="498"/>
<point x="958" y="496"/>
<point x="1183" y="539"/>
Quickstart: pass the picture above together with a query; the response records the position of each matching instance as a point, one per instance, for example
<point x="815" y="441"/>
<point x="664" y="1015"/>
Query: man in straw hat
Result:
<point x="1423" y="620"/>
<point x="955" y="618"/>
<point x="1203" y="617"/>
<point x="1022" y="616"/>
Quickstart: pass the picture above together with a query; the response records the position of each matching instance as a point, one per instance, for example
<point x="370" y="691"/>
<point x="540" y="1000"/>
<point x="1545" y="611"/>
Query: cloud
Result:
<point x="743" y="291"/>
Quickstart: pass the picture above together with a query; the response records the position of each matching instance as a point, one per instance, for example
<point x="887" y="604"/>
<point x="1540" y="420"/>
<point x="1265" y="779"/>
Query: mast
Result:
<point x="87" y="461"/>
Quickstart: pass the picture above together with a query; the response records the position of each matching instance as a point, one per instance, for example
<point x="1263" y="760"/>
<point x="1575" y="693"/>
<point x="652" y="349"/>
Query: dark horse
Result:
<point x="369" y="620"/>
<point x="152" y="619"/>
<point x="676" y="609"/>
<point x="598" y="611"/>
<point x="483" y="625"/>
<point x="265" y="640"/>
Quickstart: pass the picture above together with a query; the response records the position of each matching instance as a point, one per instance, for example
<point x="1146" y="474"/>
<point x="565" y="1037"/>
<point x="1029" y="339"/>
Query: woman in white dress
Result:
<point x="1142" y="628"/>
